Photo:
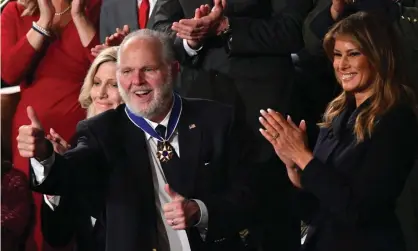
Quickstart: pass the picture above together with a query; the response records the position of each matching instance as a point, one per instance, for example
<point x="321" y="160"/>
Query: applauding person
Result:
<point x="366" y="148"/>
<point x="45" y="48"/>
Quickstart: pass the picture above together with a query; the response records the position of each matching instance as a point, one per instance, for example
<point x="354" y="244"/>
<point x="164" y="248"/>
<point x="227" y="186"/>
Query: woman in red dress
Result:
<point x="46" y="49"/>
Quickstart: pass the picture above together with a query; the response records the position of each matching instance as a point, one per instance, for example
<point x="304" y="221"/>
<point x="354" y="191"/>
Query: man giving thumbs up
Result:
<point x="31" y="140"/>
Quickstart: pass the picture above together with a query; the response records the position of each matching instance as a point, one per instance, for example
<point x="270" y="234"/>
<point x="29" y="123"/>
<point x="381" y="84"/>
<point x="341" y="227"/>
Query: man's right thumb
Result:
<point x="33" y="118"/>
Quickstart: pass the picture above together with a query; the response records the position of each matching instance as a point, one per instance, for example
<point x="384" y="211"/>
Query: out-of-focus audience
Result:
<point x="45" y="49"/>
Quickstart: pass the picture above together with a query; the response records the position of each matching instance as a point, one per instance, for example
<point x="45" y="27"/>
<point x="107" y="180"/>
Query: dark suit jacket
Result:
<point x="110" y="166"/>
<point x="116" y="13"/>
<point x="350" y="189"/>
<point x="70" y="223"/>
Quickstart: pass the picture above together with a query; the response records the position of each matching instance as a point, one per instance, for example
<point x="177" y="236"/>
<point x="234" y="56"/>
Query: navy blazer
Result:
<point x="350" y="188"/>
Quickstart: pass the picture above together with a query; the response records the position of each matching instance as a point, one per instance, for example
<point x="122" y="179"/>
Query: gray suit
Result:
<point x="116" y="13"/>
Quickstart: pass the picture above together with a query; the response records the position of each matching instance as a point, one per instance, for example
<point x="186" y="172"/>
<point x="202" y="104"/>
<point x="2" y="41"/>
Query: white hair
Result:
<point x="159" y="104"/>
<point x="165" y="41"/>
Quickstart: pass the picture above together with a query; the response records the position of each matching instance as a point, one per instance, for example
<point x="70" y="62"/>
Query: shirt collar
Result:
<point x="164" y="122"/>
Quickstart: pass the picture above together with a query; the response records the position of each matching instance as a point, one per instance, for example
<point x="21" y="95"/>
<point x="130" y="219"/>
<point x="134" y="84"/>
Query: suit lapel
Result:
<point x="190" y="135"/>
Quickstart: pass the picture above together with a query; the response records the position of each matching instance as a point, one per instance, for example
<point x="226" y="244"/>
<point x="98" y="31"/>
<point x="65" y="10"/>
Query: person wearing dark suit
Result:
<point x="159" y="172"/>
<point x="250" y="41"/>
<point x="366" y="147"/>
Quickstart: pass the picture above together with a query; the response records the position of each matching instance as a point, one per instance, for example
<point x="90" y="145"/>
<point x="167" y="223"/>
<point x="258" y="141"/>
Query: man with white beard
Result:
<point x="159" y="173"/>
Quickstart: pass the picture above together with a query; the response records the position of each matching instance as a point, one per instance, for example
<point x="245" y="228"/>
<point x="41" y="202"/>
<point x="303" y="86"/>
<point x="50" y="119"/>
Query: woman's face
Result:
<point x="104" y="92"/>
<point x="351" y="66"/>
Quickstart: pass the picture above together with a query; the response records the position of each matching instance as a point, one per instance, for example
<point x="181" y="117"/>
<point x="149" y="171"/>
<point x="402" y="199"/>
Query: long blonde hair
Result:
<point x="377" y="40"/>
<point x="107" y="55"/>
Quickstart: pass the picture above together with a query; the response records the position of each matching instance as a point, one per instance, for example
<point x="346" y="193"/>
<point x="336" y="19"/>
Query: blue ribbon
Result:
<point x="172" y="122"/>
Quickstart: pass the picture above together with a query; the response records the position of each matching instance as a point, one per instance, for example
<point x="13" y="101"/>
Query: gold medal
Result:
<point x="164" y="152"/>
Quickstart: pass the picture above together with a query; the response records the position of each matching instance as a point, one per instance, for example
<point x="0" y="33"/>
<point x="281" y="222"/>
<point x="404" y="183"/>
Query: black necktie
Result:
<point x="170" y="167"/>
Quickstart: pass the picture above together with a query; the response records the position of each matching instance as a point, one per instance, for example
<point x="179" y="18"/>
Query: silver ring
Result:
<point x="172" y="222"/>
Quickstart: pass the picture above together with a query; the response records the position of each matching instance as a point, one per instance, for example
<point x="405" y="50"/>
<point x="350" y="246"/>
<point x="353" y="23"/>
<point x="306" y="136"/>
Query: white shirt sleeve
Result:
<point x="41" y="169"/>
<point x="204" y="215"/>
<point x="191" y="52"/>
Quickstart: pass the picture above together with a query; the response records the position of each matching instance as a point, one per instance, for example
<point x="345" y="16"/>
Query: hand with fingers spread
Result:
<point x="116" y="38"/>
<point x="203" y="24"/>
<point x="31" y="141"/>
<point x="180" y="213"/>
<point x="113" y="40"/>
<point x="59" y="144"/>
<point x="288" y="139"/>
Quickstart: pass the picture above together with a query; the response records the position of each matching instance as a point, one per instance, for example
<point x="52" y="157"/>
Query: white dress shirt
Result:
<point x="178" y="239"/>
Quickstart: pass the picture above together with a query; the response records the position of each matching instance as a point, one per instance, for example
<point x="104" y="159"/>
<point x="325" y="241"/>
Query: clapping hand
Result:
<point x="205" y="22"/>
<point x="338" y="6"/>
<point x="46" y="13"/>
<point x="78" y="8"/>
<point x="113" y="40"/>
<point x="289" y="142"/>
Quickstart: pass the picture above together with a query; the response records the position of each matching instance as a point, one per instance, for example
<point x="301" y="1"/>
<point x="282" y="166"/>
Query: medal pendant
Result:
<point x="164" y="152"/>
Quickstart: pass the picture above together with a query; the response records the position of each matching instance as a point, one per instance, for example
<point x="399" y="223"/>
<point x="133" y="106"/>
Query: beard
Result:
<point x="157" y="106"/>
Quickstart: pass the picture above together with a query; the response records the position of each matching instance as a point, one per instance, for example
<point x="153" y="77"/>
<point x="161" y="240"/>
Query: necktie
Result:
<point x="172" y="166"/>
<point x="143" y="13"/>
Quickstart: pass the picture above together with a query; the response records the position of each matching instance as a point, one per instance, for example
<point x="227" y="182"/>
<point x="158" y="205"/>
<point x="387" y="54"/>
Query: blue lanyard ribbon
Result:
<point x="172" y="122"/>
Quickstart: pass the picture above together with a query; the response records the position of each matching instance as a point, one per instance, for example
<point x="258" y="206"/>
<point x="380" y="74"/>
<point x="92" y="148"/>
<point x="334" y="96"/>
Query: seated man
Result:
<point x="161" y="172"/>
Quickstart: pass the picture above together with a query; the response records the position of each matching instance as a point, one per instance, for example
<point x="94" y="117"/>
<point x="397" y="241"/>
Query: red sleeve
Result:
<point x="16" y="203"/>
<point x="94" y="15"/>
<point x="16" y="52"/>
